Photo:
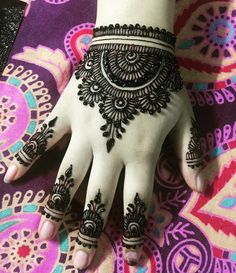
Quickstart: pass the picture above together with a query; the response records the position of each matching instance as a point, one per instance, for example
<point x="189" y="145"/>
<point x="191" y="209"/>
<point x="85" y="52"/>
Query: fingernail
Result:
<point x="81" y="260"/>
<point x="10" y="174"/>
<point x="201" y="186"/>
<point x="47" y="230"/>
<point x="132" y="258"/>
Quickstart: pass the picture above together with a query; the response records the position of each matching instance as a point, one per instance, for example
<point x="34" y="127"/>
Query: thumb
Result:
<point x="186" y="143"/>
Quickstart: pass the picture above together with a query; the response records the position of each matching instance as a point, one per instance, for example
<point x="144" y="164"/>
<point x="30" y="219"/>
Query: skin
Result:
<point x="137" y="151"/>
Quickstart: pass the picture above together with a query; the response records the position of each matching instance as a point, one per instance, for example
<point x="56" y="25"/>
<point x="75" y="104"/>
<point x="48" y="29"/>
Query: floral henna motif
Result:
<point x="126" y="78"/>
<point x="134" y="223"/>
<point x="60" y="197"/>
<point x="194" y="154"/>
<point x="36" y="145"/>
<point x="92" y="224"/>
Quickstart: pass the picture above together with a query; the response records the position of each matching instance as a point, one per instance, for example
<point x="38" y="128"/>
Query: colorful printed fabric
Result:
<point x="187" y="232"/>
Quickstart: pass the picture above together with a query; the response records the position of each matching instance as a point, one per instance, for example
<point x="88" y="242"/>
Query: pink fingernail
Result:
<point x="81" y="260"/>
<point x="47" y="230"/>
<point x="131" y="258"/>
<point x="10" y="174"/>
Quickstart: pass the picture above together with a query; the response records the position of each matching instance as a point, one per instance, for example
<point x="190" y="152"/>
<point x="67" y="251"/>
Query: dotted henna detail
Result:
<point x="37" y="144"/>
<point x="125" y="80"/>
<point x="60" y="197"/>
<point x="92" y="223"/>
<point x="194" y="154"/>
<point x="134" y="223"/>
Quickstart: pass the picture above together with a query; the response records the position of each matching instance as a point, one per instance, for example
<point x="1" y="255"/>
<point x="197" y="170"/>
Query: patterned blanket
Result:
<point x="187" y="232"/>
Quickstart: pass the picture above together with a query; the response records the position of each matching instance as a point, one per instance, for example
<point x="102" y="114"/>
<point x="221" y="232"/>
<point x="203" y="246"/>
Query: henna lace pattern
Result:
<point x="128" y="71"/>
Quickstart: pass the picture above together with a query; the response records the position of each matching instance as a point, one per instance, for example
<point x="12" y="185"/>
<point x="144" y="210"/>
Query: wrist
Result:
<point x="150" y="13"/>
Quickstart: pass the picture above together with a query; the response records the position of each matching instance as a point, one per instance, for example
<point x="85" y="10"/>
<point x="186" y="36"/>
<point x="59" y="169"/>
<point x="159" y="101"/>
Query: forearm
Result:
<point x="155" y="13"/>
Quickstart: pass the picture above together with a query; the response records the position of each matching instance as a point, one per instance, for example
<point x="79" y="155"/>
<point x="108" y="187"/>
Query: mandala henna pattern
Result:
<point x="134" y="223"/>
<point x="125" y="78"/>
<point x="60" y="197"/>
<point x="92" y="224"/>
<point x="194" y="154"/>
<point x="36" y="145"/>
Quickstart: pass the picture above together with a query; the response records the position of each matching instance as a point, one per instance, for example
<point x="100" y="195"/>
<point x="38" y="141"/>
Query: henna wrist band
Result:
<point x="128" y="70"/>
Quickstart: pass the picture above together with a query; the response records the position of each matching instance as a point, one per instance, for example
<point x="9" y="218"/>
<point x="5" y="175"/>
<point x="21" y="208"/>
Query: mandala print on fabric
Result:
<point x="17" y="248"/>
<point x="125" y="80"/>
<point x="37" y="144"/>
<point x="21" y="250"/>
<point x="77" y="42"/>
<point x="60" y="197"/>
<point x="7" y="113"/>
<point x="214" y="212"/>
<point x="221" y="141"/>
<point x="92" y="225"/>
<point x="24" y="97"/>
<point x="218" y="38"/>
<point x="209" y="38"/>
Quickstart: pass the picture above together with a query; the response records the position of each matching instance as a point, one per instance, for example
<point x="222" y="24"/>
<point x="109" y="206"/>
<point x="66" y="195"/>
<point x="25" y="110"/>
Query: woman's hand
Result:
<point x="120" y="105"/>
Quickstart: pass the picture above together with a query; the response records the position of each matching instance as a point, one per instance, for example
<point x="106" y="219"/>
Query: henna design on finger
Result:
<point x="134" y="223"/>
<point x="60" y="197"/>
<point x="124" y="77"/>
<point x="92" y="224"/>
<point x="194" y="154"/>
<point x="37" y="144"/>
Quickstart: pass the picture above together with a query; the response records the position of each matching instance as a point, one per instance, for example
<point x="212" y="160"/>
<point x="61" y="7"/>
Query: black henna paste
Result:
<point x="194" y="154"/>
<point x="92" y="223"/>
<point x="134" y="223"/>
<point x="37" y="144"/>
<point x="60" y="197"/>
<point x="126" y="79"/>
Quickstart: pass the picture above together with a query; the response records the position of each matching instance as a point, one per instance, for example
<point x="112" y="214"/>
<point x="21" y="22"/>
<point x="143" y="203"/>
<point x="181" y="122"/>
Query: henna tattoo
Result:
<point x="60" y="198"/>
<point x="134" y="223"/>
<point x="92" y="225"/>
<point x="125" y="78"/>
<point x="194" y="154"/>
<point x="36" y="145"/>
